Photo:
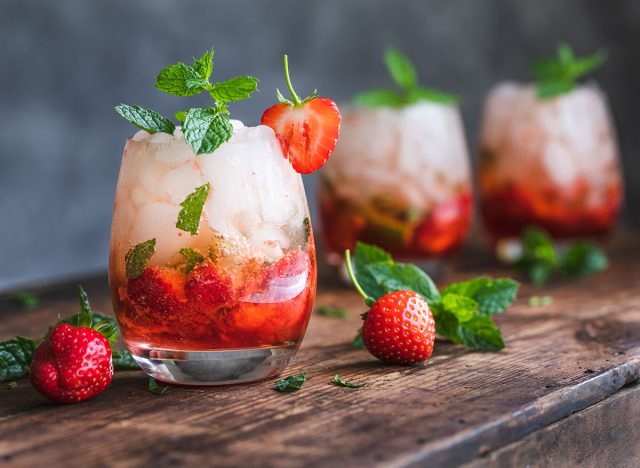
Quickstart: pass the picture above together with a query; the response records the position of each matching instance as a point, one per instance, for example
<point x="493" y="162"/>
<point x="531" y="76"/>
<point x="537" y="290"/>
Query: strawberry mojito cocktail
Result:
<point x="400" y="176"/>
<point x="212" y="267"/>
<point x="548" y="154"/>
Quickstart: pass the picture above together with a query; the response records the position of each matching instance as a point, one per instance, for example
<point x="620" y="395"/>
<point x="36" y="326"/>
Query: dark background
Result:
<point x="64" y="64"/>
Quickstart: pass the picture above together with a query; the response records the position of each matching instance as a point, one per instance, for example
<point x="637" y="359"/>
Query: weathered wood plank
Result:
<point x="560" y="359"/>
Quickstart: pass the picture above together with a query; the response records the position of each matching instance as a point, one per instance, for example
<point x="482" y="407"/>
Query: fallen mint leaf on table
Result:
<point x="137" y="257"/>
<point x="461" y="311"/>
<point x="122" y="360"/>
<point x="25" y="299"/>
<point x="343" y="383"/>
<point x="189" y="216"/>
<point x="12" y="385"/>
<point x="145" y="119"/>
<point x="292" y="383"/>
<point x="540" y="301"/>
<point x="583" y="259"/>
<point x="540" y="258"/>
<point x="331" y="311"/>
<point x="156" y="387"/>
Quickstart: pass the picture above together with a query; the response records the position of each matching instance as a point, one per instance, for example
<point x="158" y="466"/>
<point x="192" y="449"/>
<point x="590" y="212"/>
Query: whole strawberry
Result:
<point x="73" y="363"/>
<point x="399" y="327"/>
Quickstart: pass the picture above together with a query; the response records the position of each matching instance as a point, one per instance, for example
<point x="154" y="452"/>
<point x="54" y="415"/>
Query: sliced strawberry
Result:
<point x="159" y="289"/>
<point x="209" y="287"/>
<point x="306" y="129"/>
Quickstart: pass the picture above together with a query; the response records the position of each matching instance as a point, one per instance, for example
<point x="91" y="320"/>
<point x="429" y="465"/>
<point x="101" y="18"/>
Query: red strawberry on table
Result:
<point x="399" y="327"/>
<point x="307" y="129"/>
<point x="73" y="363"/>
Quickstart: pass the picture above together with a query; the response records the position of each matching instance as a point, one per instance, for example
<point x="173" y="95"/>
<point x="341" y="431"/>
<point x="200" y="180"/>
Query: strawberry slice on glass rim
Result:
<point x="307" y="129"/>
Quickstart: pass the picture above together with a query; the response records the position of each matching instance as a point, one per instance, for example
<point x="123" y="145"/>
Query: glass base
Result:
<point x="213" y="367"/>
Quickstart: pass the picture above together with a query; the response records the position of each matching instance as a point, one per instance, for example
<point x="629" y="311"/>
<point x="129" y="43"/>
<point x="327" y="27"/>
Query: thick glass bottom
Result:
<point x="213" y="367"/>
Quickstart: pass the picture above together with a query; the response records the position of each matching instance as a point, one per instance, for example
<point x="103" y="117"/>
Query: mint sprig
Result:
<point x="15" y="357"/>
<point x="332" y="311"/>
<point x="192" y="258"/>
<point x="462" y="311"/>
<point x="293" y="383"/>
<point x="559" y="75"/>
<point x="540" y="258"/>
<point x="156" y="387"/>
<point x="205" y="129"/>
<point x="25" y="299"/>
<point x="340" y="382"/>
<point x="405" y="76"/>
<point x="189" y="216"/>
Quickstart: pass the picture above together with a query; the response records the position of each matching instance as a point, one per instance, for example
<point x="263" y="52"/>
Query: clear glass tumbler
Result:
<point x="551" y="163"/>
<point x="231" y="303"/>
<point x="399" y="179"/>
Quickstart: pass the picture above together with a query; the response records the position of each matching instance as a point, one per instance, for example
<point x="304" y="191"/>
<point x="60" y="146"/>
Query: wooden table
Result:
<point x="564" y="391"/>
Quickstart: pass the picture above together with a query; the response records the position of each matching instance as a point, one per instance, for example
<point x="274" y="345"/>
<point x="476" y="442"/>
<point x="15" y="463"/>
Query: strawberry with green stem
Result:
<point x="307" y="129"/>
<point x="399" y="327"/>
<point x="73" y="363"/>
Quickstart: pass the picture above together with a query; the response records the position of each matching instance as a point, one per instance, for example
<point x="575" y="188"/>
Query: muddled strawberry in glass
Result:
<point x="549" y="156"/>
<point x="400" y="175"/>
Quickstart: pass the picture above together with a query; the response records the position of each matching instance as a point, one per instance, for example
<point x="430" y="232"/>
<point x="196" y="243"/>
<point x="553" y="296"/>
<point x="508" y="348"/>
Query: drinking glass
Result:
<point x="230" y="303"/>
<point x="399" y="179"/>
<point x="552" y="163"/>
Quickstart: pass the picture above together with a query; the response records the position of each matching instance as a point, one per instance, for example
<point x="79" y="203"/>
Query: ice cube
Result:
<point x="269" y="241"/>
<point x="140" y="135"/>
<point x="174" y="155"/>
<point x="160" y="137"/>
<point x="141" y="196"/>
<point x="177" y="184"/>
<point x="158" y="220"/>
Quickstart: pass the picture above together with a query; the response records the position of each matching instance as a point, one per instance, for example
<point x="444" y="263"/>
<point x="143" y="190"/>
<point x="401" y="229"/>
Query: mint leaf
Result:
<point x="13" y="384"/>
<point x="25" y="299"/>
<point x="292" y="383"/>
<point x="549" y="89"/>
<point x="181" y="80"/>
<point x="366" y="254"/>
<point x="559" y="75"/>
<point x="137" y="257"/>
<point x="306" y="226"/>
<point x="479" y="332"/>
<point x="400" y="68"/>
<point x="403" y="276"/>
<point x="464" y="308"/>
<point x="540" y="301"/>
<point x="234" y="89"/>
<point x="192" y="257"/>
<point x="15" y="357"/>
<point x="343" y="383"/>
<point x="204" y="65"/>
<point x="145" y="119"/>
<point x="122" y="360"/>
<point x="379" y="98"/>
<point x="539" y="258"/>
<point x="357" y="340"/>
<point x="433" y="95"/>
<point x="583" y="259"/>
<point x="189" y="216"/>
<point x="84" y="318"/>
<point x="492" y="296"/>
<point x="156" y="387"/>
<point x="180" y="115"/>
<point x="335" y="312"/>
<point x="205" y="129"/>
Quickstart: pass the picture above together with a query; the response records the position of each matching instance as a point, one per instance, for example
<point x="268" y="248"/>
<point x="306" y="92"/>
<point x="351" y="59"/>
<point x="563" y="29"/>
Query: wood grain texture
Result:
<point x="461" y="405"/>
